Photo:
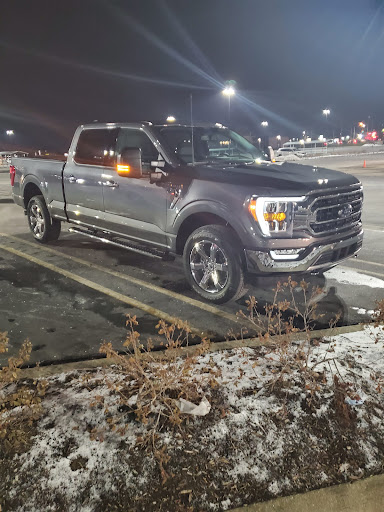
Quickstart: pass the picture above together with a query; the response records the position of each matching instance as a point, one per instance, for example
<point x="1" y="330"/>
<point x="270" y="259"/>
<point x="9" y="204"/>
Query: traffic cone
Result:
<point x="364" y="164"/>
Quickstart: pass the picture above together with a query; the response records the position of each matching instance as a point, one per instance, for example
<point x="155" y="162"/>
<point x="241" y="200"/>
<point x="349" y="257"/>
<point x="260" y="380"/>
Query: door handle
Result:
<point x="72" y="179"/>
<point x="111" y="184"/>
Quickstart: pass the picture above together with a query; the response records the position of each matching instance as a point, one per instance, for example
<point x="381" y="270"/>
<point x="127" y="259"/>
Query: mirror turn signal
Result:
<point x="123" y="169"/>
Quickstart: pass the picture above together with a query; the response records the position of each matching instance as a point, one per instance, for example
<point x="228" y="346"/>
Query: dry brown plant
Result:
<point x="20" y="403"/>
<point x="292" y="348"/>
<point x="151" y="387"/>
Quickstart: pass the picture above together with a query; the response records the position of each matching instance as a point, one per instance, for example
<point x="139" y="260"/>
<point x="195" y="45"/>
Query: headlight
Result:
<point x="273" y="214"/>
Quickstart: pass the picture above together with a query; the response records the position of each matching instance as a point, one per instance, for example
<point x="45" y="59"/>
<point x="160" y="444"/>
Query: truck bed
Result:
<point x="47" y="175"/>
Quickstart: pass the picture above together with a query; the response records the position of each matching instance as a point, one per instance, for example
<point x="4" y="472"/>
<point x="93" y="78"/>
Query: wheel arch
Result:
<point x="31" y="189"/>
<point x="197" y="220"/>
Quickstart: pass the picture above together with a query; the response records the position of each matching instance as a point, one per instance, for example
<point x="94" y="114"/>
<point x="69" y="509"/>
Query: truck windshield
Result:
<point x="211" y="144"/>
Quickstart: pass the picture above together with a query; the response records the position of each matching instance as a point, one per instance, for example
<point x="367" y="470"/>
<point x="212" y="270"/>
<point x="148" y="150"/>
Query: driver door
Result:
<point x="133" y="206"/>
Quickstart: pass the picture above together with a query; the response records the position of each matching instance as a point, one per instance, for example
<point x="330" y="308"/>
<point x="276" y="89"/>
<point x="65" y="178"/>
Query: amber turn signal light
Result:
<point x="123" y="170"/>
<point x="252" y="208"/>
<point x="269" y="217"/>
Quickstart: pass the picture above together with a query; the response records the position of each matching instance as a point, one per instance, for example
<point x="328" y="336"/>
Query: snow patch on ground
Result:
<point x="348" y="276"/>
<point x="362" y="311"/>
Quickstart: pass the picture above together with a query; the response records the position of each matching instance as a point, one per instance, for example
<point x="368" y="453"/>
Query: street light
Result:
<point x="264" y="124"/>
<point x="10" y="132"/>
<point x="229" y="91"/>
<point x="171" y="119"/>
<point x="278" y="138"/>
<point x="326" y="112"/>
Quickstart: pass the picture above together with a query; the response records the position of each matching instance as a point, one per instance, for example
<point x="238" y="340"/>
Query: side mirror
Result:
<point x="129" y="163"/>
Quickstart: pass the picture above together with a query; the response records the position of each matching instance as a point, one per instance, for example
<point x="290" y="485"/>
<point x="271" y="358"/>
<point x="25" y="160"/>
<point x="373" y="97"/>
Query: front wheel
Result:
<point x="212" y="263"/>
<point x="44" y="229"/>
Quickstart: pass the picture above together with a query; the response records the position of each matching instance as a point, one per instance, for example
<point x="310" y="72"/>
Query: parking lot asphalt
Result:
<point x="70" y="296"/>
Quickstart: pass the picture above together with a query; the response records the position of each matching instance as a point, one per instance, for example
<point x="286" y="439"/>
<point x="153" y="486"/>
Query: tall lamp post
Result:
<point x="229" y="91"/>
<point x="264" y="124"/>
<point x="326" y="112"/>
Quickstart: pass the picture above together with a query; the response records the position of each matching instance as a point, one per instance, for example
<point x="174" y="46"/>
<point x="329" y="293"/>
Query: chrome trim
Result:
<point x="305" y="216"/>
<point x="261" y="261"/>
<point x="117" y="244"/>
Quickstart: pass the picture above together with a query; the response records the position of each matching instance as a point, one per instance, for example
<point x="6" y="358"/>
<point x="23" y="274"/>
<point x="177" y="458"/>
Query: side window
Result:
<point x="130" y="138"/>
<point x="96" y="147"/>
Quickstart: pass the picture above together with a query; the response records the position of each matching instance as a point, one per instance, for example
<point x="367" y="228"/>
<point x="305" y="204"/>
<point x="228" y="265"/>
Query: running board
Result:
<point x="154" y="253"/>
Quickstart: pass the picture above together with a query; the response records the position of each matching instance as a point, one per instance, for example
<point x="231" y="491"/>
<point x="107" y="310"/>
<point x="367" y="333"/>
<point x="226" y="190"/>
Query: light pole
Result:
<point x="229" y="91"/>
<point x="264" y="124"/>
<point x="326" y="112"/>
<point x="278" y="138"/>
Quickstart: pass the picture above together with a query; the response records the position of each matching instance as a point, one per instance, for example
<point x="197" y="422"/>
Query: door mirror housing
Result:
<point x="129" y="163"/>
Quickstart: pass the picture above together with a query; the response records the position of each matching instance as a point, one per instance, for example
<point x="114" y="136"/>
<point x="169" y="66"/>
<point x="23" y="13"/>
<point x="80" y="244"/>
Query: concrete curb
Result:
<point x="54" y="369"/>
<point x="361" y="496"/>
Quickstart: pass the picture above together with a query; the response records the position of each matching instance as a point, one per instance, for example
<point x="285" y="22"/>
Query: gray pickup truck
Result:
<point x="205" y="193"/>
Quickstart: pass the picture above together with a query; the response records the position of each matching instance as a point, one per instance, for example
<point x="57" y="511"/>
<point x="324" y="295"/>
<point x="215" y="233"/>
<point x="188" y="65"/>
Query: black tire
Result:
<point x="43" y="228"/>
<point x="216" y="276"/>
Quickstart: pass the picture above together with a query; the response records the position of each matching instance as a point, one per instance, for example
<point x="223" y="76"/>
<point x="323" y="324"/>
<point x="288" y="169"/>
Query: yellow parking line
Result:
<point x="94" y="286"/>
<point x="193" y="302"/>
<point x="376" y="274"/>
<point x="358" y="260"/>
<point x="362" y="271"/>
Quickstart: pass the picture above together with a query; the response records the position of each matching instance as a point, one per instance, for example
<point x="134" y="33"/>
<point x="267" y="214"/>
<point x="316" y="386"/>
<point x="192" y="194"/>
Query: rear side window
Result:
<point x="96" y="147"/>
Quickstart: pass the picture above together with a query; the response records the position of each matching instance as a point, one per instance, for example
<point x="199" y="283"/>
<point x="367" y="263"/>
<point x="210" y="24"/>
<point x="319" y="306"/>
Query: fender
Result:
<point x="31" y="178"/>
<point x="215" y="208"/>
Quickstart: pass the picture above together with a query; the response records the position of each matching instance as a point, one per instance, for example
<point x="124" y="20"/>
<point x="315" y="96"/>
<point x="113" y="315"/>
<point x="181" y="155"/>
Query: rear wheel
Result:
<point x="43" y="228"/>
<point x="212" y="263"/>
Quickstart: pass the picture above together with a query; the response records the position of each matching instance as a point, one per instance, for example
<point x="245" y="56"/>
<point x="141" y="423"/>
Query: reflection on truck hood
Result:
<point x="288" y="176"/>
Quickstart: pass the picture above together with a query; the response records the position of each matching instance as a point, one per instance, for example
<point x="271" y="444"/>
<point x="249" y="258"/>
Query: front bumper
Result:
<point x="314" y="258"/>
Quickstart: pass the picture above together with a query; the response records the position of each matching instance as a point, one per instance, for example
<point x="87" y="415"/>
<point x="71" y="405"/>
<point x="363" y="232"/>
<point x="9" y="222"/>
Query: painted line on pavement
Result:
<point x="361" y="271"/>
<point x="358" y="260"/>
<point x="374" y="230"/>
<point x="94" y="286"/>
<point x="188" y="300"/>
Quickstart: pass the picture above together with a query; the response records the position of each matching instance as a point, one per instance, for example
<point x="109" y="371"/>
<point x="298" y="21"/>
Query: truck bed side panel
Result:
<point x="44" y="174"/>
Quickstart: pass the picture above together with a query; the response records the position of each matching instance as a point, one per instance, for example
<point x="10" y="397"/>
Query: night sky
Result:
<point x="65" y="63"/>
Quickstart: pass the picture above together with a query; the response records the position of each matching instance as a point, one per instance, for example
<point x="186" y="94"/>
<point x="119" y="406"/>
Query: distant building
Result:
<point x="5" y="156"/>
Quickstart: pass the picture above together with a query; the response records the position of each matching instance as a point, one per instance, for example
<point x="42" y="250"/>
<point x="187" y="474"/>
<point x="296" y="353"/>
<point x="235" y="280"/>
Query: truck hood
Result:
<point x="289" y="177"/>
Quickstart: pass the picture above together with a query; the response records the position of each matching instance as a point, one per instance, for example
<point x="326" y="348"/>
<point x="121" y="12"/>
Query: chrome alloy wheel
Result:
<point x="209" y="266"/>
<point x="36" y="220"/>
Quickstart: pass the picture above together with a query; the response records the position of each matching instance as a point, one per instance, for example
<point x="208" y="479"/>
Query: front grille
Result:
<point x="336" y="212"/>
<point x="338" y="254"/>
